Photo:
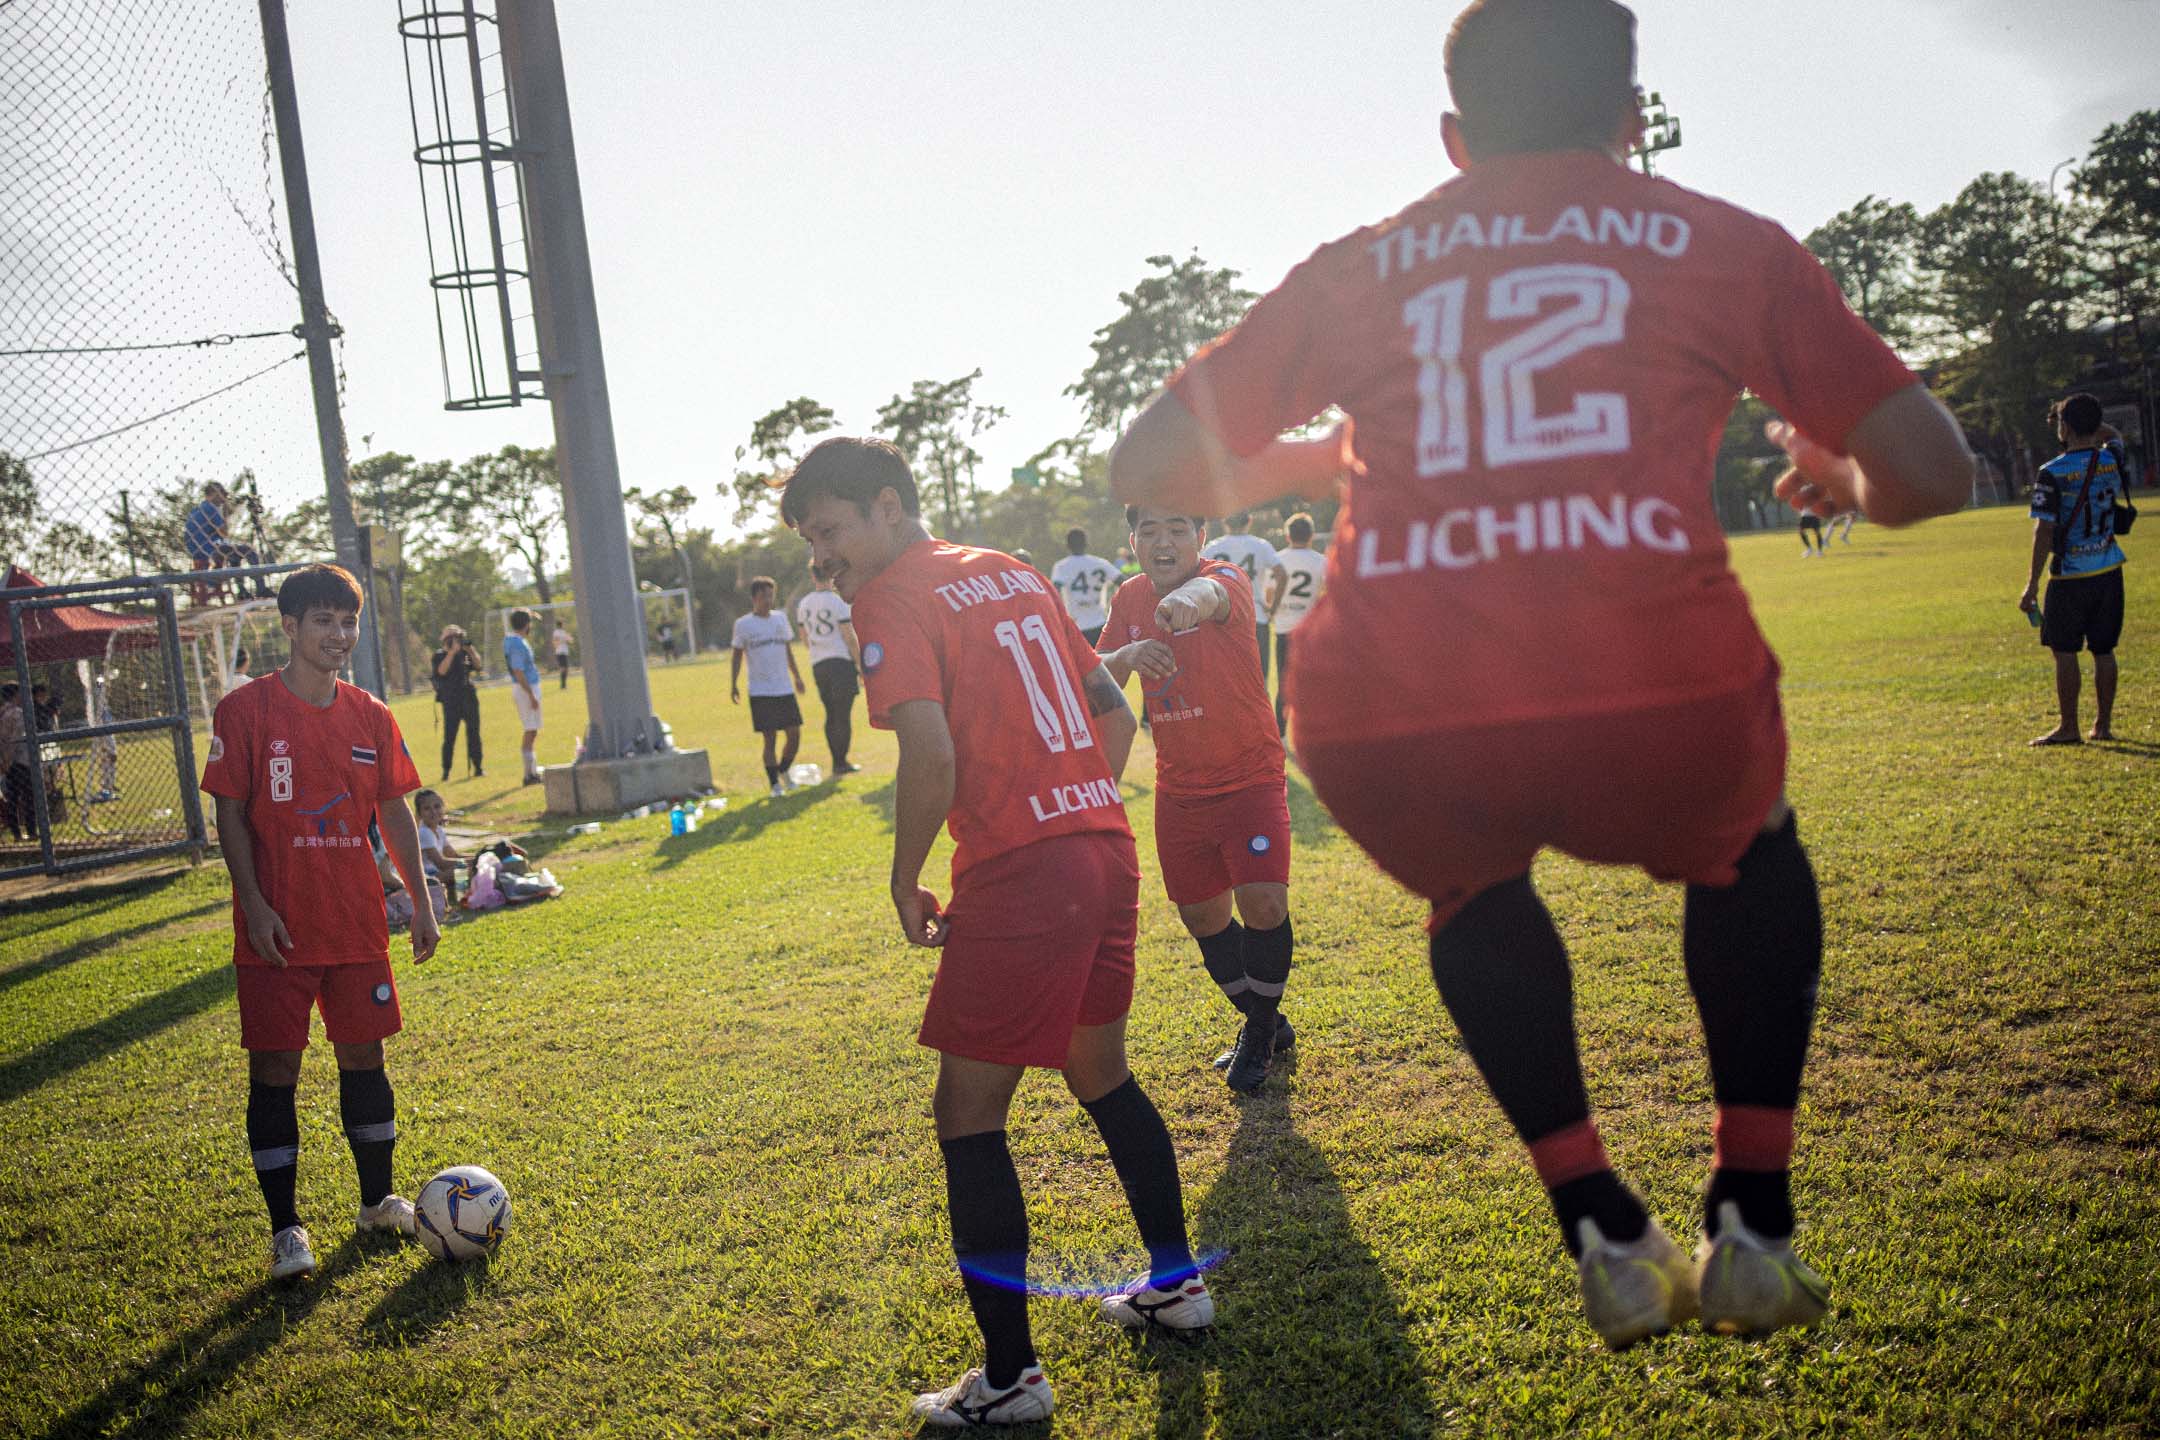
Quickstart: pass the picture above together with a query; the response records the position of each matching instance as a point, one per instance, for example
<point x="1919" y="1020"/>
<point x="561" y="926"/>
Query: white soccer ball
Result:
<point x="463" y="1212"/>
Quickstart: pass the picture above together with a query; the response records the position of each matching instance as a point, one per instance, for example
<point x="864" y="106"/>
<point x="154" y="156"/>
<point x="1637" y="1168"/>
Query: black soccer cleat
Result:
<point x="1285" y="1037"/>
<point x="1250" y="1059"/>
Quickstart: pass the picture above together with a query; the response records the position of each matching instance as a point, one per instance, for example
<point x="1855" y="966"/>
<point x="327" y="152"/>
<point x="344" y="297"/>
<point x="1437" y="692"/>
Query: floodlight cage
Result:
<point x="472" y="200"/>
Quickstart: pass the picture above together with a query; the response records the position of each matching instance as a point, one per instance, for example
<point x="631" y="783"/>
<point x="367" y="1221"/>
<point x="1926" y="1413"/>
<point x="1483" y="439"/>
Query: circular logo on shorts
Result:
<point x="382" y="993"/>
<point x="873" y="655"/>
<point x="1258" y="844"/>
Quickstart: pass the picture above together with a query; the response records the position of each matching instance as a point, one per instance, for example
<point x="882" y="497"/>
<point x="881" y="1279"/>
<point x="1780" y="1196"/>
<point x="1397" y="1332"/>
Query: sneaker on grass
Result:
<point x="391" y="1215"/>
<point x="1251" y="1057"/>
<point x="1644" y="1287"/>
<point x="291" y="1257"/>
<point x="1285" y="1038"/>
<point x="1186" y="1308"/>
<point x="971" y="1401"/>
<point x="1751" y="1285"/>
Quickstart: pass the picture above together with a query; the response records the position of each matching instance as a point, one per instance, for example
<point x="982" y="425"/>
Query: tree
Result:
<point x="65" y="553"/>
<point x="1167" y="317"/>
<point x="665" y="511"/>
<point x="933" y="425"/>
<point x="456" y="587"/>
<point x="2118" y="188"/>
<point x="773" y="442"/>
<point x="18" y="506"/>
<point x="2000" y="268"/>
<point x="518" y="491"/>
<point x="1870" y="249"/>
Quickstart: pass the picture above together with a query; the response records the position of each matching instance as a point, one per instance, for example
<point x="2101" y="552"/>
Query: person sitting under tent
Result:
<point x="208" y="543"/>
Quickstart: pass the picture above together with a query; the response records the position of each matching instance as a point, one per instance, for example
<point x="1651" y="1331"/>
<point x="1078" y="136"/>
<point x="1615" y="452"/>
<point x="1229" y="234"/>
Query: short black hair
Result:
<point x="1132" y="519"/>
<point x="763" y="582"/>
<point x="1299" y="528"/>
<point x="318" y="587"/>
<point x="1531" y="75"/>
<point x="1076" y="540"/>
<point x="2080" y="413"/>
<point x="240" y="658"/>
<point x="848" y="468"/>
<point x="521" y="619"/>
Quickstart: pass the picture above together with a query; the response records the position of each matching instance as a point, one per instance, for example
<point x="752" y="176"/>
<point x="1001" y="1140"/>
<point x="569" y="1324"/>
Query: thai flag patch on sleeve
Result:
<point x="362" y="755"/>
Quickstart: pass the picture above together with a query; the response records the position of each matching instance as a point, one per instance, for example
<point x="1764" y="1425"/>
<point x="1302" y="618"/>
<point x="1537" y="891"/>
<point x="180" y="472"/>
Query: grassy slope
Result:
<point x="697" y="1073"/>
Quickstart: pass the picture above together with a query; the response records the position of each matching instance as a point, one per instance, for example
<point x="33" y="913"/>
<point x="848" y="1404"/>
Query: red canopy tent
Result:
<point x="68" y="632"/>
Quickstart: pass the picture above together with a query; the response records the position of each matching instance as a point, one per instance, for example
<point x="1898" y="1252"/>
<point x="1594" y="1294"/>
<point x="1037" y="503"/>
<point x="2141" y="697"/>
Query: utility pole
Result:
<point x="315" y="326"/>
<point x="628" y="758"/>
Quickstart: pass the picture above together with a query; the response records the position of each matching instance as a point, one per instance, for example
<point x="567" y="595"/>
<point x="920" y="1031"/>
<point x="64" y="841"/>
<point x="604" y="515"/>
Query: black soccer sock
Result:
<point x="990" y="1240"/>
<point x="1267" y="968"/>
<point x="839" y="733"/>
<point x="369" y="1111"/>
<point x="273" y="1132"/>
<point x="1502" y="972"/>
<point x="1754" y="960"/>
<point x="772" y="774"/>
<point x="1146" y="1163"/>
<point x="1224" y="955"/>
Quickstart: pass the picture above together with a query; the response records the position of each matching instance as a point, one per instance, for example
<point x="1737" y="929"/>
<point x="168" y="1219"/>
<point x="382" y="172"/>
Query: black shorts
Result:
<point x="774" y="712"/>
<point x="836" y="684"/>
<point x="1091" y="636"/>
<point x="2083" y="612"/>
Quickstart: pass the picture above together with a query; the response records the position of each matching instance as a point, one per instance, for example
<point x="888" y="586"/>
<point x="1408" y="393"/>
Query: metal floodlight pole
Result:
<point x="618" y="701"/>
<point x="315" y="326"/>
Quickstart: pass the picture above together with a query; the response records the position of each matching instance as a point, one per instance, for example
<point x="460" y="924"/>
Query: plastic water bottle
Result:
<point x="2033" y="615"/>
<point x="590" y="827"/>
<point x="807" y="773"/>
<point x="677" y="823"/>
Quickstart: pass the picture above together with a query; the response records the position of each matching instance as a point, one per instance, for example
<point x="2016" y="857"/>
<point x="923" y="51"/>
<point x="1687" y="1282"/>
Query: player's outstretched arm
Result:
<point x="922" y="797"/>
<point x="1170" y="459"/>
<point x="266" y="933"/>
<point x="402" y="839"/>
<point x="1199" y="601"/>
<point x="1114" y="723"/>
<point x="1906" y="461"/>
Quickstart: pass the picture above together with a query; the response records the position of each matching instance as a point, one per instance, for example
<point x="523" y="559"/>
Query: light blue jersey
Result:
<point x="2089" y="547"/>
<point x="518" y="655"/>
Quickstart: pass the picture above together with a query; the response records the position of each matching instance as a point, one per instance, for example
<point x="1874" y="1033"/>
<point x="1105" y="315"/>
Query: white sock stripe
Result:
<point x="1263" y="989"/>
<point x="277" y="1157"/>
<point x="1237" y="987"/>
<point x="372" y="1134"/>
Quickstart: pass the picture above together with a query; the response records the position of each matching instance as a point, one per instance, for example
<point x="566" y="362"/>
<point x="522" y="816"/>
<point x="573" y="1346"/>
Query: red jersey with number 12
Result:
<point x="311" y="779"/>
<point x="1539" y="357"/>
<point x="987" y="637"/>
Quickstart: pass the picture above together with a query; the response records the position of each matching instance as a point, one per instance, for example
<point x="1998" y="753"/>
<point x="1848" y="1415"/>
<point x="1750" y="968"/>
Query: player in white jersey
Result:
<point x="1085" y="582"/>
<point x="828" y="628"/>
<point x="1290" y="598"/>
<point x="1261" y="565"/>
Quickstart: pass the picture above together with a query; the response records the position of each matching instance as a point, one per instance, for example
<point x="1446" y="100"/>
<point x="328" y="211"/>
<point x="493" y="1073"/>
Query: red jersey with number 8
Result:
<point x="311" y="779"/>
<point x="987" y="637"/>
<point x="1539" y="358"/>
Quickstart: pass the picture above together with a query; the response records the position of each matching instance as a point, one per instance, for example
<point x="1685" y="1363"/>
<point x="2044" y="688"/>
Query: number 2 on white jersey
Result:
<point x="1594" y="423"/>
<point x="1059" y="733"/>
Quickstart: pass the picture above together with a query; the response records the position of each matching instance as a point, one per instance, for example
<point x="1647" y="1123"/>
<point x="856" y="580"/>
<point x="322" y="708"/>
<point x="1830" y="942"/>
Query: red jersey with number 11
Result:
<point x="1540" y="357"/>
<point x="987" y="637"/>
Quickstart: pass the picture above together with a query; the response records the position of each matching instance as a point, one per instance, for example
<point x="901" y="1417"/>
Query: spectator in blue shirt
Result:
<point x="208" y="545"/>
<point x="2073" y="511"/>
<point x="524" y="685"/>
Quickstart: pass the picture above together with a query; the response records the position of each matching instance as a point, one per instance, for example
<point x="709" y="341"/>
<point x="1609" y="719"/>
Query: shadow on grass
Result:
<point x="1310" y="1338"/>
<point x="161" y="1395"/>
<point x="90" y="945"/>
<point x="430" y="1297"/>
<point x="78" y="1047"/>
<point x="2142" y="749"/>
<point x="69" y="903"/>
<point x="734" y="824"/>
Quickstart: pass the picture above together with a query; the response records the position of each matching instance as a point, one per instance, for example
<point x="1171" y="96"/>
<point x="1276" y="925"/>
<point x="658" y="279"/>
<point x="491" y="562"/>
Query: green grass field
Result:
<point x="697" y="1073"/>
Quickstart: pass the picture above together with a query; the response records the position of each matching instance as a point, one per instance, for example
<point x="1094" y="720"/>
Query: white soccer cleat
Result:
<point x="1644" y="1287"/>
<point x="391" y="1215"/>
<point x="290" y="1255"/>
<point x="972" y="1402"/>
<point x="777" y="792"/>
<point x="1185" y="1309"/>
<point x="1752" y="1286"/>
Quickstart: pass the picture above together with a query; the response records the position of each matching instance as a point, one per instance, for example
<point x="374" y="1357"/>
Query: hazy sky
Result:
<point x="836" y="200"/>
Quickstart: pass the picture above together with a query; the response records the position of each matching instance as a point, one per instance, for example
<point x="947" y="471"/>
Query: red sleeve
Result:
<point x="1268" y="374"/>
<point x="901" y="660"/>
<point x="230" y="766"/>
<point x="400" y="775"/>
<point x="1114" y="624"/>
<point x="1813" y="360"/>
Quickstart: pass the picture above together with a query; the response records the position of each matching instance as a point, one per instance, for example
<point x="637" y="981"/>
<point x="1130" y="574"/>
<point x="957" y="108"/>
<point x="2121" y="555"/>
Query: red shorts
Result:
<point x="1041" y="941"/>
<point x="359" y="1004"/>
<point x="1679" y="790"/>
<point x="1210" y="843"/>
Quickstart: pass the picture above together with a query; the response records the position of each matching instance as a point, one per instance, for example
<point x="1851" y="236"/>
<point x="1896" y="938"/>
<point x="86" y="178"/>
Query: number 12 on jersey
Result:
<point x="1059" y="732"/>
<point x="1595" y="423"/>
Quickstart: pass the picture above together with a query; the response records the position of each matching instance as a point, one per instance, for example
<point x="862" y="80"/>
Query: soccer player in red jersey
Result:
<point x="1537" y="359"/>
<point x="1222" y="814"/>
<point x="299" y="764"/>
<point x="1012" y="733"/>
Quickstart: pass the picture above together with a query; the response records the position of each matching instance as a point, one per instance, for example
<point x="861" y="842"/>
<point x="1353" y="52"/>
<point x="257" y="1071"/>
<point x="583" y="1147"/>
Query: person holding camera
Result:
<point x="2080" y="505"/>
<point x="209" y="542"/>
<point x="455" y="667"/>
